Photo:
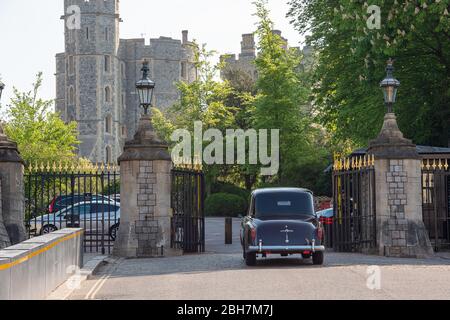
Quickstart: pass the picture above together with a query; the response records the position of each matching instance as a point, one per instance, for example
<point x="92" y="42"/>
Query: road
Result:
<point x="220" y="274"/>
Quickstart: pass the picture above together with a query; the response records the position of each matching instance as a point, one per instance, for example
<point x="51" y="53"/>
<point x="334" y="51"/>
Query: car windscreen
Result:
<point x="274" y="204"/>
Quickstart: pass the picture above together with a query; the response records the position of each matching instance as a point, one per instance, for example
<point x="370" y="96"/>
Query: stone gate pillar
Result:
<point x="400" y="228"/>
<point x="145" y="191"/>
<point x="12" y="198"/>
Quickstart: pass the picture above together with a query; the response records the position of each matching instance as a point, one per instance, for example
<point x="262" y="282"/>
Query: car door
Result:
<point x="246" y="220"/>
<point x="111" y="215"/>
<point x="82" y="212"/>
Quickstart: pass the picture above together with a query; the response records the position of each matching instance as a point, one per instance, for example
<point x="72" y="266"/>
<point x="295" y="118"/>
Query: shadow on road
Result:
<point x="220" y="257"/>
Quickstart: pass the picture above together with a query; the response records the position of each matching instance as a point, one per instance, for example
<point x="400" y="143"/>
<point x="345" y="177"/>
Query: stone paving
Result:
<point x="221" y="274"/>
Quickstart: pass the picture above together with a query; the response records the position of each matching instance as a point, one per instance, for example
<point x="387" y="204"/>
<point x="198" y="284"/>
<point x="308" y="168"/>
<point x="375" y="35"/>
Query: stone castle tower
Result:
<point x="245" y="61"/>
<point x="96" y="76"/>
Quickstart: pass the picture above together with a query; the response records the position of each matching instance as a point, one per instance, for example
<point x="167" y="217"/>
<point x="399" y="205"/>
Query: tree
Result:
<point x="201" y="100"/>
<point x="40" y="134"/>
<point x="241" y="98"/>
<point x="352" y="58"/>
<point x="282" y="103"/>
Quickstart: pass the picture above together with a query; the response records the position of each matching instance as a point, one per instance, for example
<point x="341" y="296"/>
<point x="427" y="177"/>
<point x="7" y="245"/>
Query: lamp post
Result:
<point x="390" y="86"/>
<point x="145" y="88"/>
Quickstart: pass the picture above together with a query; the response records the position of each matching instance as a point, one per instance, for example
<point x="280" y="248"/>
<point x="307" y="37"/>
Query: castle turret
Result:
<point x="97" y="74"/>
<point x="248" y="46"/>
<point x="93" y="88"/>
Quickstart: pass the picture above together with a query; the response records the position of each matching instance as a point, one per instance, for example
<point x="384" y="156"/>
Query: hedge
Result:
<point x="225" y="205"/>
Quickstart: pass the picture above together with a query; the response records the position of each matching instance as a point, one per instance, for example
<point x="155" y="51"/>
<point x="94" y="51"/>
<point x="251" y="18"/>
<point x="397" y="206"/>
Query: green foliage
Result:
<point x="282" y="103"/>
<point x="278" y="100"/>
<point x="201" y="100"/>
<point x="225" y="205"/>
<point x="241" y="99"/>
<point x="40" y="134"/>
<point x="231" y="189"/>
<point x="352" y="59"/>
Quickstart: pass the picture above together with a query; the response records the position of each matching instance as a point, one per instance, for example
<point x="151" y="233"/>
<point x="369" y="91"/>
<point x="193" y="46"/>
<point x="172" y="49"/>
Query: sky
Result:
<point x="31" y="32"/>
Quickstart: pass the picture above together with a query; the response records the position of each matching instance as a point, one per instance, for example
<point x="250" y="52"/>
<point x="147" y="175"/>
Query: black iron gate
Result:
<point x="354" y="223"/>
<point x="80" y="196"/>
<point x="436" y="201"/>
<point x="188" y="222"/>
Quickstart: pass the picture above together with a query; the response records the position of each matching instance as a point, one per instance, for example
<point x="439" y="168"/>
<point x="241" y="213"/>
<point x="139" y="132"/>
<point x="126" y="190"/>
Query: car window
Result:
<point x="104" y="208"/>
<point x="80" y="209"/>
<point x="68" y="200"/>
<point x="284" y="204"/>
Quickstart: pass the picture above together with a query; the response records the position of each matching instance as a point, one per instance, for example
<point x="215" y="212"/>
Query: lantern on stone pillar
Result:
<point x="390" y="86"/>
<point x="145" y="88"/>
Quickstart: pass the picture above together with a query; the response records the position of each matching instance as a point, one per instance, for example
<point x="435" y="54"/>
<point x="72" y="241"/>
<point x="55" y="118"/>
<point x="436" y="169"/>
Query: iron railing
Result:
<point x="82" y="196"/>
<point x="436" y="201"/>
<point x="354" y="223"/>
<point x="188" y="221"/>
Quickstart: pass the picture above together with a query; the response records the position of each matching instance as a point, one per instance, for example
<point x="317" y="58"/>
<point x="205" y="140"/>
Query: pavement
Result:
<point x="221" y="274"/>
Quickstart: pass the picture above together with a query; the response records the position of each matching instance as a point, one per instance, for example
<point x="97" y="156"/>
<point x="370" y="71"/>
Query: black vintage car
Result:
<point x="282" y="221"/>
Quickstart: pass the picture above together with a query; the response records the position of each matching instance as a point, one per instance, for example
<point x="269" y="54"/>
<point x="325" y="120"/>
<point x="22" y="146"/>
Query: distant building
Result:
<point x="245" y="60"/>
<point x="96" y="76"/>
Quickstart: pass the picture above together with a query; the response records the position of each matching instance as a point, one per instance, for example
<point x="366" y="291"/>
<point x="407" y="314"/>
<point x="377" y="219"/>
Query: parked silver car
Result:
<point x="94" y="217"/>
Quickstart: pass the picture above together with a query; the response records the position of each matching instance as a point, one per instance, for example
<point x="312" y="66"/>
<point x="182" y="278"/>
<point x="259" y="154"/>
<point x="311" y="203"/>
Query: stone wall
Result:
<point x="401" y="232"/>
<point x="145" y="210"/>
<point x="147" y="226"/>
<point x="4" y="238"/>
<point x="396" y="178"/>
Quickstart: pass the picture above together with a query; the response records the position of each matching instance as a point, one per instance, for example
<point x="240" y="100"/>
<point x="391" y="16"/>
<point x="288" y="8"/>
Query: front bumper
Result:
<point x="285" y="249"/>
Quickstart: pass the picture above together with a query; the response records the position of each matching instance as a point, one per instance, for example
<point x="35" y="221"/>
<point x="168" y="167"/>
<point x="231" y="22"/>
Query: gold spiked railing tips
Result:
<point x="435" y="164"/>
<point x="187" y="163"/>
<point x="81" y="167"/>
<point x="354" y="163"/>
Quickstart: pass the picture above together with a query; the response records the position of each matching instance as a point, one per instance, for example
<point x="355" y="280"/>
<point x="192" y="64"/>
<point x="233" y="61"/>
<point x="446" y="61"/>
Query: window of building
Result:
<point x="107" y="63"/>
<point x="71" y="96"/>
<point x="71" y="65"/>
<point x="122" y="70"/>
<point x="108" y="124"/>
<point x="87" y="33"/>
<point x="183" y="70"/>
<point x="70" y="36"/>
<point x="108" y="155"/>
<point x="107" y="94"/>
<point x="106" y="34"/>
<point x="124" y="131"/>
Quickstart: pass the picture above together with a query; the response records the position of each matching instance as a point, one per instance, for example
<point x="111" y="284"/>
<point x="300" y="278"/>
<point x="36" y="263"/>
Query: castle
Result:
<point x="97" y="73"/>
<point x="245" y="61"/>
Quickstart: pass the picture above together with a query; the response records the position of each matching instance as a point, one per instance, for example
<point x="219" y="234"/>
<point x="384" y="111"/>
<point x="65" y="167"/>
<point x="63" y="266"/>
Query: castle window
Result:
<point x="183" y="70"/>
<point x="106" y="34"/>
<point x="71" y="96"/>
<point x="108" y="155"/>
<point x="70" y="36"/>
<point x="107" y="63"/>
<point x="122" y="70"/>
<point x="124" y="131"/>
<point x="87" y="33"/>
<point x="108" y="124"/>
<point x="71" y="65"/>
<point x="107" y="94"/>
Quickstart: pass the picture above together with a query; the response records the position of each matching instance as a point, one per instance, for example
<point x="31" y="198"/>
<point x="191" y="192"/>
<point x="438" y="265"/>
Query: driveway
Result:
<point x="221" y="274"/>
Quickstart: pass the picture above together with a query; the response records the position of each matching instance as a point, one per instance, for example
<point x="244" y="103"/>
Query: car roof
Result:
<point x="91" y="202"/>
<point x="329" y="209"/>
<point x="281" y="190"/>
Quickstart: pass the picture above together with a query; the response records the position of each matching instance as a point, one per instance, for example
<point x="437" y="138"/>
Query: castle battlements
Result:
<point x="97" y="73"/>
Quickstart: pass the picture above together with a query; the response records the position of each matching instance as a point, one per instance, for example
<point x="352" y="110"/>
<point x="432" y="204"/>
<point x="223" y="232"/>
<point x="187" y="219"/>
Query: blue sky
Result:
<point x="32" y="33"/>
